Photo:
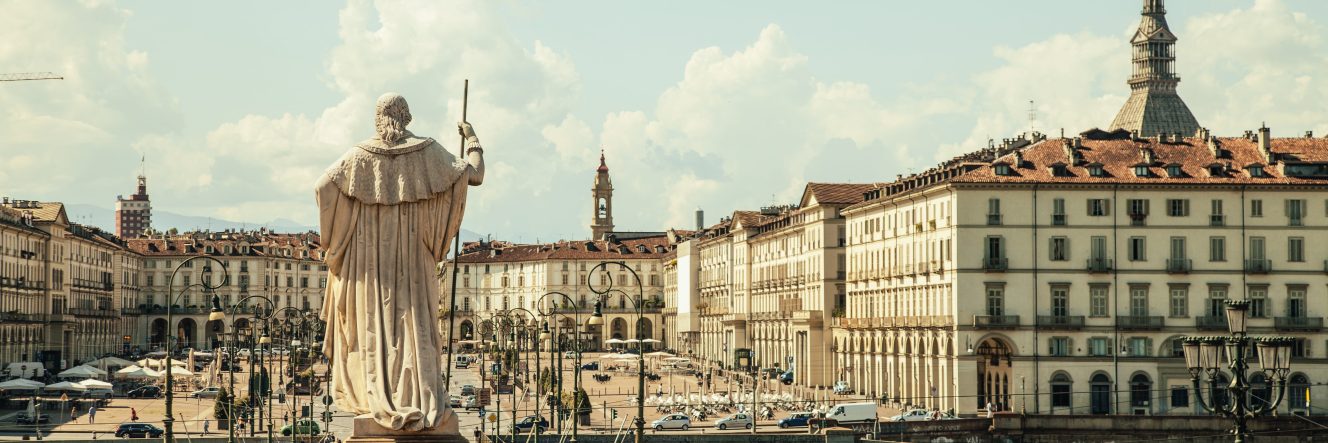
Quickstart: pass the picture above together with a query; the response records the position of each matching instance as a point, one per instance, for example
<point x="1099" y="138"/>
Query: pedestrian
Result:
<point x="133" y="414"/>
<point x="92" y="414"/>
<point x="206" y="424"/>
<point x="989" y="410"/>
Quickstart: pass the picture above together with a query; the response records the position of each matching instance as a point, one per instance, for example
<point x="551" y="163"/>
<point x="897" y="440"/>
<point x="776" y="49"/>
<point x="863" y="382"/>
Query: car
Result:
<point x="138" y="430"/>
<point x="913" y="415"/>
<point x="467" y="390"/>
<point x="737" y="420"/>
<point x="539" y="424"/>
<point x="795" y="420"/>
<point x="672" y="421"/>
<point x="455" y="401"/>
<point x="842" y="388"/>
<point x="144" y="392"/>
<point x="569" y="355"/>
<point x="592" y="366"/>
<point x="208" y="392"/>
<point x="31" y="419"/>
<point x="462" y="364"/>
<point x="304" y="427"/>
<point x="470" y="402"/>
<point x="786" y="378"/>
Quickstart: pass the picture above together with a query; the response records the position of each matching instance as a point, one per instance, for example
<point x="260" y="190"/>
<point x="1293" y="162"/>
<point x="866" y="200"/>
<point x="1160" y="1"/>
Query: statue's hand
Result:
<point x="467" y="132"/>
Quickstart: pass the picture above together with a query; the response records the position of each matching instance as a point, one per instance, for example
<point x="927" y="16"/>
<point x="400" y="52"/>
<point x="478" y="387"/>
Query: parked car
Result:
<point x="462" y="362"/>
<point x="467" y="390"/>
<point x="786" y="378"/>
<point x="470" y="402"/>
<point x="31" y="419"/>
<point x="795" y="420"/>
<point x="842" y="388"/>
<point x="144" y="392"/>
<point x="455" y="401"/>
<point x="673" y="421"/>
<point x="539" y="424"/>
<point x="592" y="366"/>
<point x="138" y="430"/>
<point x="864" y="412"/>
<point x="738" y="420"/>
<point x="303" y="427"/>
<point x="913" y="415"/>
<point x="208" y="392"/>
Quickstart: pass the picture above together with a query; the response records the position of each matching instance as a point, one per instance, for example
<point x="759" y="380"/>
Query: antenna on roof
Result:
<point x="1032" y="116"/>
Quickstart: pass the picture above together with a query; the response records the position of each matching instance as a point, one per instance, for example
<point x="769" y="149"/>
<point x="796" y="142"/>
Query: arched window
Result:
<point x="1261" y="391"/>
<point x="1061" y="387"/>
<point x="1140" y="391"/>
<point x="1298" y="391"/>
<point x="1100" y="394"/>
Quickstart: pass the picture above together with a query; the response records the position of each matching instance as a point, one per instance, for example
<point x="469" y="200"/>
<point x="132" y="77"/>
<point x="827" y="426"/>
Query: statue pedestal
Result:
<point x="367" y="430"/>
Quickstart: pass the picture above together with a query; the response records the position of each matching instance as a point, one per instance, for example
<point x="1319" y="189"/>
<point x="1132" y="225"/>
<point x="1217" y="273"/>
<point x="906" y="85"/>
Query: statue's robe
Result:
<point x="388" y="214"/>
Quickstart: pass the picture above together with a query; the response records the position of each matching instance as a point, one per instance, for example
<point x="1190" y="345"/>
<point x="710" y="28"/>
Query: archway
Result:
<point x="618" y="329"/>
<point x="1141" y="389"/>
<point x="243" y="340"/>
<point x="1260" y="390"/>
<point x="1298" y="390"/>
<point x="158" y="333"/>
<point x="214" y="331"/>
<point x="643" y="329"/>
<point x="1062" y="389"/>
<point x="1220" y="396"/>
<point x="186" y="333"/>
<point x="1099" y="394"/>
<point x="467" y="330"/>
<point x="994" y="369"/>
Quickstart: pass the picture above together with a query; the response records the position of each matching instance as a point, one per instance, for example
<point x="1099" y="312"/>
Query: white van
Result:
<point x="853" y="413"/>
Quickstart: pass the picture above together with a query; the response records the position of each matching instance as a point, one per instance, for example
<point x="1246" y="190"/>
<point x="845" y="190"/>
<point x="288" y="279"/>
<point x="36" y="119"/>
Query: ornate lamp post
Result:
<point x="519" y="335"/>
<point x="597" y="318"/>
<point x="216" y="314"/>
<point x="1204" y="355"/>
<point x="258" y="314"/>
<point x="576" y="347"/>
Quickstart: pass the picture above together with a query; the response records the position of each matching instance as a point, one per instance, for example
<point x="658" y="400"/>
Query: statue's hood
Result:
<point x="374" y="172"/>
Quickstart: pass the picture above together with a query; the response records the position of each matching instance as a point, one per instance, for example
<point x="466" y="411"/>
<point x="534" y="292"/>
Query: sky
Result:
<point x="238" y="107"/>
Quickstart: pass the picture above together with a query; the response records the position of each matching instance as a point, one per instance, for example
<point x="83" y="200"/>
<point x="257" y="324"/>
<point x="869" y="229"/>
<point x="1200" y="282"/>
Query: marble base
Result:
<point x="366" y="430"/>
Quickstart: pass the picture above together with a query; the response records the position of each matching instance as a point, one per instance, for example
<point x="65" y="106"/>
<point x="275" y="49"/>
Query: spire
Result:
<point x="1154" y="107"/>
<point x="602" y="166"/>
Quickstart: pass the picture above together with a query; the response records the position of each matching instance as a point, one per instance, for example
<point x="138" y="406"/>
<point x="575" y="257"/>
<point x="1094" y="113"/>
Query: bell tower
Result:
<point x="602" y="219"/>
<point x="1154" y="107"/>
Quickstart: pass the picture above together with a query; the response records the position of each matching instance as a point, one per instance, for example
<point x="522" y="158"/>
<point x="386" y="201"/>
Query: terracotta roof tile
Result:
<point x="634" y="249"/>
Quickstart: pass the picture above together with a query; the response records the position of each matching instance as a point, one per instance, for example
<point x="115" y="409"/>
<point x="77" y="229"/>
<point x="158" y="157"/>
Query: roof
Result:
<point x="633" y="249"/>
<point x="835" y="193"/>
<point x="260" y="243"/>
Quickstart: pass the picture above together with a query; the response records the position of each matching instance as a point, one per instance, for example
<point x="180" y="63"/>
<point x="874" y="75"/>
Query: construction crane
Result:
<point x="21" y="76"/>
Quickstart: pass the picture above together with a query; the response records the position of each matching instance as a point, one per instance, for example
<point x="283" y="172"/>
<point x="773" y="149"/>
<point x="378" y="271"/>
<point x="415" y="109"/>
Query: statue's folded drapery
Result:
<point x="387" y="215"/>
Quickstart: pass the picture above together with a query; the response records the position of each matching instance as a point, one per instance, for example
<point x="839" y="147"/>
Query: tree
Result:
<point x="222" y="409"/>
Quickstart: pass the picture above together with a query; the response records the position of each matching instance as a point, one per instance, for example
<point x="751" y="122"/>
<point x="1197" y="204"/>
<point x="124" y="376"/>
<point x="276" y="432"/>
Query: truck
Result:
<point x="853" y="413"/>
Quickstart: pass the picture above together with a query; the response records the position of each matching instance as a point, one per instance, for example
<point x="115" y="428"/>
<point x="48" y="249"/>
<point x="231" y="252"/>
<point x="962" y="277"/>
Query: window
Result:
<point x="1174" y="171"/>
<point x="1003" y="169"/>
<point x="995" y="300"/>
<point x="1178" y="248"/>
<point x="1295" y="211"/>
<point x="1139" y="346"/>
<point x="1138" y="211"/>
<point x="1058" y="212"/>
<point x="1098" y="207"/>
<point x="1256" y="208"/>
<point x="1139" y="301"/>
<point x="1137" y="249"/>
<point x="1217" y="249"/>
<point x="1097" y="300"/>
<point x="1217" y="301"/>
<point x="1060" y="170"/>
<point x="1096" y="170"/>
<point x="1215" y="214"/>
<point x="1141" y="171"/>
<point x="1296" y="249"/>
<point x="1177" y="207"/>
<point x="1060" y="391"/>
<point x="1295" y="301"/>
<point x="1180" y="397"/>
<point x="1099" y="346"/>
<point x="1258" y="301"/>
<point x="1060" y="249"/>
<point x="1060" y="300"/>
<point x="1180" y="300"/>
<point x="1256" y="171"/>
<point x="994" y="211"/>
<point x="1059" y="346"/>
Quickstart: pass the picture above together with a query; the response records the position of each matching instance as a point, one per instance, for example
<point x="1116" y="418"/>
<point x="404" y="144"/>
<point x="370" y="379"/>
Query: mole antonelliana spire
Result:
<point x="1154" y="107"/>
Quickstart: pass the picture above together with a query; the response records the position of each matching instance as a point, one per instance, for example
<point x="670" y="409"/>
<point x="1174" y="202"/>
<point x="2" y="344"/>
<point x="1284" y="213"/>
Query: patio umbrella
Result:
<point x="658" y="354"/>
<point x="64" y="386"/>
<point x="155" y="363"/>
<point x="631" y="341"/>
<point x="179" y="372"/>
<point x="614" y="341"/>
<point x="20" y="384"/>
<point x="650" y="340"/>
<point x="83" y="371"/>
<point x="105" y="362"/>
<point x="136" y="371"/>
<point x="95" y="384"/>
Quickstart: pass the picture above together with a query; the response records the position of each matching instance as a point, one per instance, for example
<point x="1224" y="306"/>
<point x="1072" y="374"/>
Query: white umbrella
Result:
<point x="631" y="341"/>
<point x="179" y="372"/>
<point x="155" y="363"/>
<point x="95" y="384"/>
<point x="614" y="341"/>
<point x="611" y="356"/>
<point x="658" y="354"/>
<point x="110" y="362"/>
<point x="626" y="356"/>
<point x="83" y="371"/>
<point x="64" y="386"/>
<point x="137" y="372"/>
<point x="20" y="384"/>
<point x="650" y="340"/>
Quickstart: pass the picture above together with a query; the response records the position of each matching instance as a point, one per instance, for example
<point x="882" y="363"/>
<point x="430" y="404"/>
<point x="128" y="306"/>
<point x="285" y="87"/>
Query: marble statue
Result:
<point x="388" y="211"/>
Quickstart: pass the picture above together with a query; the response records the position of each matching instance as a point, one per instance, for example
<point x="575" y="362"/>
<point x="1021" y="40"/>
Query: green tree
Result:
<point x="222" y="409"/>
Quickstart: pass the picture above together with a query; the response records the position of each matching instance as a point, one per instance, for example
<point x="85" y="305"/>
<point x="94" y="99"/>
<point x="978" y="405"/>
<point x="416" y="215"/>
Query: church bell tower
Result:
<point x="602" y="221"/>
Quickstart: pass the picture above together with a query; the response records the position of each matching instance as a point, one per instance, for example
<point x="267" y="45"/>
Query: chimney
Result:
<point x="1309" y="134"/>
<point x="1018" y="159"/>
<point x="1202" y="134"/>
<point x="1211" y="141"/>
<point x="700" y="219"/>
<point x="1147" y="154"/>
<point x="1265" y="140"/>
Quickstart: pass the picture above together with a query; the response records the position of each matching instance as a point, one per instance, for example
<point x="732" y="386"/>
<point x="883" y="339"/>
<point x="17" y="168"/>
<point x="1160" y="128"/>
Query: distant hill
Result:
<point x="163" y="220"/>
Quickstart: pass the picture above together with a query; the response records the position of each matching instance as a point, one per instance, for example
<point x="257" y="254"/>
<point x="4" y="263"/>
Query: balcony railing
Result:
<point x="1211" y="323"/>
<point x="995" y="321"/>
<point x="1178" y="265"/>
<point x="1140" y="322"/>
<point x="1298" y="323"/>
<point x="1100" y="265"/>
<point x="993" y="219"/>
<point x="1060" y="321"/>
<point x="1058" y="219"/>
<point x="1217" y="220"/>
<point x="15" y="317"/>
<point x="1258" y="266"/>
<point x="82" y="312"/>
<point x="995" y="264"/>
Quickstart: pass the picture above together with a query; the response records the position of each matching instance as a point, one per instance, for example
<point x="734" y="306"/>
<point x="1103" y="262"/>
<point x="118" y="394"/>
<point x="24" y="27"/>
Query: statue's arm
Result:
<point x="475" y="160"/>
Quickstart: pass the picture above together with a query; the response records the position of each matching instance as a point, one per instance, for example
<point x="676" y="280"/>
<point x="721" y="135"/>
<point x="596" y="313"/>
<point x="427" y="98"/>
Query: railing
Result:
<point x="82" y="312"/>
<point x="995" y="264"/>
<point x="1100" y="265"/>
<point x="1217" y="220"/>
<point x="1258" y="266"/>
<point x="92" y="284"/>
<point x="995" y="321"/>
<point x="1058" y="219"/>
<point x="1061" y="321"/>
<point x="993" y="219"/>
<point x="1298" y="323"/>
<point x="1178" y="265"/>
<point x="16" y="317"/>
<point x="1140" y="322"/>
<point x="1211" y="323"/>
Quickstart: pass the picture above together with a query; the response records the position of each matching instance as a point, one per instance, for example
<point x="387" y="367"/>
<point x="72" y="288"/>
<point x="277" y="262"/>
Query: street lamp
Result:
<point x="169" y="422"/>
<point x="597" y="318"/>
<point x="515" y="342"/>
<point x="1204" y="355"/>
<point x="576" y="361"/>
<point x="231" y="351"/>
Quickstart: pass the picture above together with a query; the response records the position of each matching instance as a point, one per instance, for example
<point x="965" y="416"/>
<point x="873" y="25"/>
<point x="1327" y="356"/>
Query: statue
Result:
<point x="388" y="211"/>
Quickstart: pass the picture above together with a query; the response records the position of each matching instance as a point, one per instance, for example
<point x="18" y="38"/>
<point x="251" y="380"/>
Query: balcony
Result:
<point x="993" y="264"/>
<point x="15" y="317"/>
<point x="993" y="219"/>
<point x="1178" y="265"/>
<point x="1137" y="322"/>
<point x="995" y="321"/>
<point x="1298" y="323"/>
<point x="1217" y="220"/>
<point x="1211" y="323"/>
<point x="1058" y="219"/>
<point x="83" y="312"/>
<point x="1100" y="265"/>
<point x="1060" y="321"/>
<point x="1258" y="266"/>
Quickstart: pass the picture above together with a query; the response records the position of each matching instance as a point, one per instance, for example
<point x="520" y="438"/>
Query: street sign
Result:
<point x="492" y="417"/>
<point x="484" y="396"/>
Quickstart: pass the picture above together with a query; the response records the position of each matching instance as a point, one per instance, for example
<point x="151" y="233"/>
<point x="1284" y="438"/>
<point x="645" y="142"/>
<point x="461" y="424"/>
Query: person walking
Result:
<point x="133" y="414"/>
<point x="92" y="414"/>
<point x="206" y="424"/>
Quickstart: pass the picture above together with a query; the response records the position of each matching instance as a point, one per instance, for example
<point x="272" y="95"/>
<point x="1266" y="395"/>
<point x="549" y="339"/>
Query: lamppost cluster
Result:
<point x="1207" y="356"/>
